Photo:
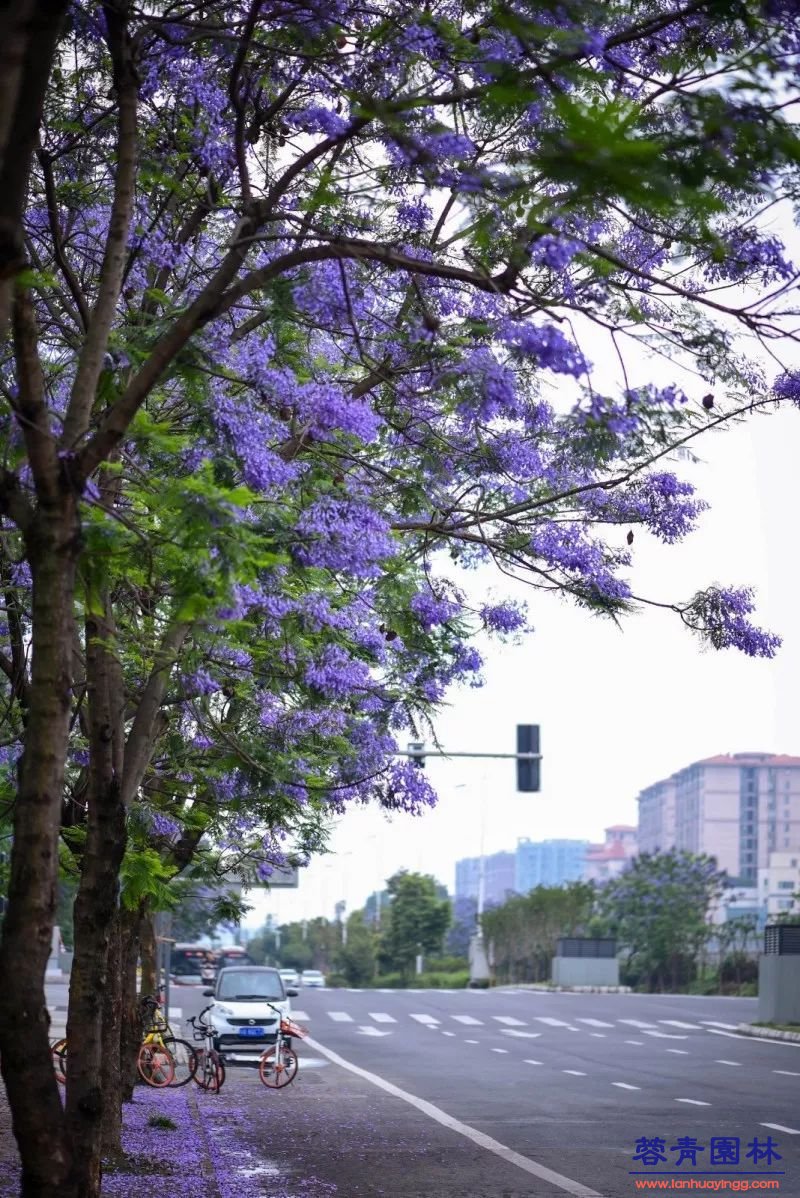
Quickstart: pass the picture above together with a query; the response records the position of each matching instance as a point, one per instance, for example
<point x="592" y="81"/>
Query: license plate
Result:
<point x="251" y="1031"/>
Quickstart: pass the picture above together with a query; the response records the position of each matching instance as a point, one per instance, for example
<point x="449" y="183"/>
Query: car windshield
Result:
<point x="245" y="984"/>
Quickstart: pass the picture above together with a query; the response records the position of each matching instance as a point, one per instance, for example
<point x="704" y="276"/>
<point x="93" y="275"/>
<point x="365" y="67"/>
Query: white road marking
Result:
<point x="382" y="1017"/>
<point x="352" y="991"/>
<point x="721" y="1062"/>
<point x="174" y="1012"/>
<point x="595" y="1022"/>
<point x="786" y="1072"/>
<point x="574" y="1072"/>
<point x="528" y="1061"/>
<point x="299" y="1014"/>
<point x="715" y="1031"/>
<point x="369" y="1030"/>
<point x="510" y="1020"/>
<point x="472" y="1041"/>
<point x="448" y="1033"/>
<point x="467" y="1019"/>
<point x="598" y="1035"/>
<point x="790" y="1131"/>
<point x="730" y="1027"/>
<point x="636" y="1023"/>
<point x="513" y="1031"/>
<point x="625" y="1086"/>
<point x="340" y="1016"/>
<point x="639" y="1042"/>
<point x="499" y="1050"/>
<point x="429" y="1019"/>
<point x="387" y="992"/>
<point x="683" y="1052"/>
<point x="666" y="1035"/>
<point x="548" y="1019"/>
<point x="679" y="1023"/>
<point x="693" y="1101"/>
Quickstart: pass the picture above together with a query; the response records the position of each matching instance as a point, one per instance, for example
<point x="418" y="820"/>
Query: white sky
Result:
<point x="618" y="709"/>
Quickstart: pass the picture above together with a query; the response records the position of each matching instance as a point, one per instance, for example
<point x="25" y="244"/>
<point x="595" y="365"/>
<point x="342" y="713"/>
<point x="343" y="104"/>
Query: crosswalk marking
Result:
<point x="299" y="1014"/>
<point x="679" y="1023"/>
<point x="636" y="1023"/>
<point x="340" y="1016"/>
<point x="429" y="1019"/>
<point x="513" y="1031"/>
<point x="382" y="1017"/>
<point x="448" y="1033"/>
<point x="595" y="1022"/>
<point x="548" y="1019"/>
<point x="666" y="1035"/>
<point x="731" y="1027"/>
<point x="467" y="1019"/>
<point x="510" y="1020"/>
<point x="369" y="1030"/>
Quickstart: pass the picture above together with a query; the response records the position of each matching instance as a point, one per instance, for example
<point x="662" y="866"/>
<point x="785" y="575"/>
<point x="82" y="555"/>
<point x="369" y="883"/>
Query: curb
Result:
<point x="768" y="1033"/>
<point x="568" y="989"/>
<point x="206" y="1161"/>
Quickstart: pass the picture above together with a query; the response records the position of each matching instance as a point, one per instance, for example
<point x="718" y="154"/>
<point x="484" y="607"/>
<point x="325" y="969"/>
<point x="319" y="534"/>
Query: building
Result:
<point x="738" y="808"/>
<point x="499" y="877"/>
<point x="607" y="860"/>
<point x="778" y="884"/>
<point x="548" y="863"/>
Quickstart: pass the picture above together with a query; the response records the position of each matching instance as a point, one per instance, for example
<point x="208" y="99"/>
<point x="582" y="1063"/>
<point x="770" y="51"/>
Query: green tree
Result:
<point x="356" y="957"/>
<point x="523" y="931"/>
<point x="658" y="911"/>
<point x="417" y="920"/>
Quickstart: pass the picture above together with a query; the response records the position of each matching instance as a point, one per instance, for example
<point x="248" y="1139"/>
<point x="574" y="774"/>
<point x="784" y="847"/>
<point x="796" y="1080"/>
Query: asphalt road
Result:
<point x="503" y="1086"/>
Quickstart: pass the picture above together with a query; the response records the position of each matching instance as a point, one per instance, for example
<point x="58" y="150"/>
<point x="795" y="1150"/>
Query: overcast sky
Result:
<point x="618" y="709"/>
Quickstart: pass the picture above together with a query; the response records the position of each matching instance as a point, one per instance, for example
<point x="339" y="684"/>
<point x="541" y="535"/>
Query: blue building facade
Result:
<point x="548" y="863"/>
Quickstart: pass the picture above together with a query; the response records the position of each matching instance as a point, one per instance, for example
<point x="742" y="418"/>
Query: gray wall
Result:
<point x="779" y="988"/>
<point x="586" y="971"/>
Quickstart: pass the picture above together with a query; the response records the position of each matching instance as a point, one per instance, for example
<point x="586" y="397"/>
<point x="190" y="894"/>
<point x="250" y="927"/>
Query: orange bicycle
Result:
<point x="278" y="1065"/>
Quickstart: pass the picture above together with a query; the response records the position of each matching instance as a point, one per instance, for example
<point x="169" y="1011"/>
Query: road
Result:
<point x="517" y="1092"/>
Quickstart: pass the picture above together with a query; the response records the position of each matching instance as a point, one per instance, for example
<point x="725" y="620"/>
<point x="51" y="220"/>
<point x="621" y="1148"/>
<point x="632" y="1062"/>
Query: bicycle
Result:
<point x="279" y="1063"/>
<point x="210" y="1068"/>
<point x="58" y="1051"/>
<point x="164" y="1059"/>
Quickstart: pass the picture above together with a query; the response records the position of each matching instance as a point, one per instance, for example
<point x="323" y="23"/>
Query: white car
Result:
<point x="248" y="1001"/>
<point x="313" y="977"/>
<point x="289" y="977"/>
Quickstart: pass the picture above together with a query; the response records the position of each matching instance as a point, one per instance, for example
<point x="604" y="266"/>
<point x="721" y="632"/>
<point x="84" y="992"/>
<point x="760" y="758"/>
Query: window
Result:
<point x="786" y="886"/>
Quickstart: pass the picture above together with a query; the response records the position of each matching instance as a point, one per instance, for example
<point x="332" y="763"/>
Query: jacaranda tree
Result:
<point x="307" y="302"/>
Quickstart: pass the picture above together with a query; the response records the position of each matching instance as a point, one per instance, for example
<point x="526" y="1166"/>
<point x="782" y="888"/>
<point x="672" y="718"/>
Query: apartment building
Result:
<point x="738" y="808"/>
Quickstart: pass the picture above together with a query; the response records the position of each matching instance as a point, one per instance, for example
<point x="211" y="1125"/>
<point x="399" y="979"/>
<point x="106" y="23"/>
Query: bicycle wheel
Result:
<point x="184" y="1060"/>
<point x="155" y="1065"/>
<point x="210" y="1071"/>
<point x="58" y="1050"/>
<point x="278" y="1071"/>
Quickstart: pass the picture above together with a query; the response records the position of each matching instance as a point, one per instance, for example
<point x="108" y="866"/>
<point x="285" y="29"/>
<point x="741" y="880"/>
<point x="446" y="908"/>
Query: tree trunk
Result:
<point x="131" y="1019"/>
<point x="97" y="901"/>
<point x="111" y="1075"/>
<point x="38" y="1121"/>
<point x="147" y="949"/>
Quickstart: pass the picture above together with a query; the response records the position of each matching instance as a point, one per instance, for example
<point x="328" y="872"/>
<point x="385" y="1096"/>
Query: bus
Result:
<point x="187" y="963"/>
<point x="232" y="954"/>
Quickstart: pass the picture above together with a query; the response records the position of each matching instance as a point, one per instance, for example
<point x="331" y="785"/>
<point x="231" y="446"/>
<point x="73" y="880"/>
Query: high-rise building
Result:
<point x="548" y="863"/>
<point x="738" y="808"/>
<point x="499" y="877"/>
<point x="607" y="860"/>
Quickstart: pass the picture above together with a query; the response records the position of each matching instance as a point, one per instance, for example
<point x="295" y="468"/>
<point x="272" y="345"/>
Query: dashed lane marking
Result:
<point x="499" y="1050"/>
<point x="693" y="1101"/>
<point x="369" y="1030"/>
<point x="550" y="1021"/>
<point x="513" y="1031"/>
<point x="340" y="1017"/>
<point x="625" y="1086"/>
<point x="786" y="1072"/>
<point x="510" y="1020"/>
<point x="730" y="1027"/>
<point x="472" y="1041"/>
<point x="639" y="1042"/>
<point x="528" y="1061"/>
<point x="429" y="1019"/>
<point x="695" y="1027"/>
<point x="666" y="1035"/>
<point x="448" y="1033"/>
<point x="790" y="1131"/>
<point x="467" y="1019"/>
<point x="574" y="1072"/>
<point x="382" y="1017"/>
<point x="595" y="1022"/>
<point x="636" y="1023"/>
<point x="721" y="1062"/>
<point x="682" y="1052"/>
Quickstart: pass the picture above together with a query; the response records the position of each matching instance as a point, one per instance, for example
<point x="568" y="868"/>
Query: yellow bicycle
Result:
<point x="164" y="1059"/>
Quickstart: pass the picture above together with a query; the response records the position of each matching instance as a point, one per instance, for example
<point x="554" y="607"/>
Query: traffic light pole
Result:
<point x="527" y="758"/>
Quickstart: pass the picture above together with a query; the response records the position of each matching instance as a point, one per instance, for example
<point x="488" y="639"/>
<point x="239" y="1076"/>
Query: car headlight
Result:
<point x="218" y="1010"/>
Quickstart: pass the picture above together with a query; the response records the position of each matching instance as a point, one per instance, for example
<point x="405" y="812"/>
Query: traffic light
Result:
<point x="528" y="771"/>
<point x="416" y="753"/>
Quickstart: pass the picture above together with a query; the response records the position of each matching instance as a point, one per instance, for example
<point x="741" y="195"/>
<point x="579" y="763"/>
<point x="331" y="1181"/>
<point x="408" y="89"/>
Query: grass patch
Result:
<point x="779" y="1027"/>
<point x="162" y="1121"/>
